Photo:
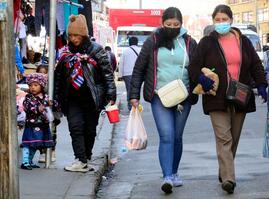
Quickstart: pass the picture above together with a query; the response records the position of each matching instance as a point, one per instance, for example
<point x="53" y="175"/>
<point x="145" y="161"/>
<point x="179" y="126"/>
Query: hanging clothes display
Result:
<point x="42" y="10"/>
<point x="68" y="10"/>
<point x="30" y="24"/>
<point x="87" y="12"/>
<point x="16" y="7"/>
<point x="60" y="17"/>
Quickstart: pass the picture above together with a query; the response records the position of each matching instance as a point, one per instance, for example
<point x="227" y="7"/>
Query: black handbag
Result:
<point x="238" y="93"/>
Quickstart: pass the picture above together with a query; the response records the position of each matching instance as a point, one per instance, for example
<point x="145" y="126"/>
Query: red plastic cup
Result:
<point x="113" y="114"/>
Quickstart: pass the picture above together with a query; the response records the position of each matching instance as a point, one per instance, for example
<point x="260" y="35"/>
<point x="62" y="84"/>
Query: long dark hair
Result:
<point x="162" y="41"/>
<point x="222" y="9"/>
<point x="172" y="12"/>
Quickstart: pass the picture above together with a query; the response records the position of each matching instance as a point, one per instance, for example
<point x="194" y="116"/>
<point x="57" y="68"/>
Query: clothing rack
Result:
<point x="72" y="3"/>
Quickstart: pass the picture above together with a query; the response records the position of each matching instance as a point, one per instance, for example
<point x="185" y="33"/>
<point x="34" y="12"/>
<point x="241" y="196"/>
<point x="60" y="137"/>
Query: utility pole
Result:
<point x="52" y="35"/>
<point x="140" y="4"/>
<point x="9" y="178"/>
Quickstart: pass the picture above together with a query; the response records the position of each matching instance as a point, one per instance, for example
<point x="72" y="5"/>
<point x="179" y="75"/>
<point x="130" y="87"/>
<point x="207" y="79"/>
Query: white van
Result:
<point x="251" y="32"/>
<point x="125" y="32"/>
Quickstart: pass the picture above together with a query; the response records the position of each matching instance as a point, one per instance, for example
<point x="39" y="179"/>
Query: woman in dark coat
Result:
<point x="232" y="56"/>
<point x="84" y="84"/>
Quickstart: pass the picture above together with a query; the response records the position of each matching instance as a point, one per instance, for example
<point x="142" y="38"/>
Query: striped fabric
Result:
<point x="73" y="61"/>
<point x="77" y="73"/>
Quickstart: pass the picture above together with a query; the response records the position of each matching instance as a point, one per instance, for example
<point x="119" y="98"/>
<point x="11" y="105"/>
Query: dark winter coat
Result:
<point x="100" y="81"/>
<point x="210" y="54"/>
<point x="145" y="69"/>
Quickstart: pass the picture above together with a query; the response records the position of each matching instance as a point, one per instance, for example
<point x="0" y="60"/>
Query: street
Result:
<point x="137" y="174"/>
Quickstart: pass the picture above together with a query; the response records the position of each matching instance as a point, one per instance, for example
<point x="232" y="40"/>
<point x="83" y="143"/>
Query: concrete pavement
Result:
<point x="55" y="183"/>
<point x="137" y="175"/>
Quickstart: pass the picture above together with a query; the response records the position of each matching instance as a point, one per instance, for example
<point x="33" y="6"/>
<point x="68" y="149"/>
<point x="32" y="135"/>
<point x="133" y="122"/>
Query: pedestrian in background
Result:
<point x="127" y="63"/>
<point x="161" y="61"/>
<point x="36" y="134"/>
<point x="232" y="56"/>
<point x="84" y="84"/>
<point x="111" y="58"/>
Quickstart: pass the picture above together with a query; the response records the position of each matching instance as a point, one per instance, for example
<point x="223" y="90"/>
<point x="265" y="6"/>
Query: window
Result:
<point x="236" y="18"/>
<point x="233" y="1"/>
<point x="124" y="35"/>
<point x="247" y="17"/>
<point x="263" y="14"/>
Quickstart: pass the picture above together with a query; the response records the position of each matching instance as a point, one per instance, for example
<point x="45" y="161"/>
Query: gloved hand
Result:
<point x="206" y="82"/>
<point x="262" y="92"/>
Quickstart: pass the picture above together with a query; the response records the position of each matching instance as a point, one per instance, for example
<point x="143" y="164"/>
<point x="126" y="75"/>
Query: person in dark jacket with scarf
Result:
<point x="164" y="57"/>
<point x="84" y="84"/>
<point x="232" y="56"/>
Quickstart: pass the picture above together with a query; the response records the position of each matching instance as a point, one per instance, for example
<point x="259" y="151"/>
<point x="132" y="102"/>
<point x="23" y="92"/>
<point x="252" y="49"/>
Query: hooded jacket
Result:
<point x="210" y="54"/>
<point x="145" y="69"/>
<point x="99" y="80"/>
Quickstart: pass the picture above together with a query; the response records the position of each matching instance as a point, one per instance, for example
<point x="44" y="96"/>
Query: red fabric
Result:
<point x="74" y="62"/>
<point x="16" y="7"/>
<point x="59" y="42"/>
<point x="231" y="50"/>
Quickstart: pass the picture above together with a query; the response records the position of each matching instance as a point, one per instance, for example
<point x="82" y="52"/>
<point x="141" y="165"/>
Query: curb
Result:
<point x="102" y="159"/>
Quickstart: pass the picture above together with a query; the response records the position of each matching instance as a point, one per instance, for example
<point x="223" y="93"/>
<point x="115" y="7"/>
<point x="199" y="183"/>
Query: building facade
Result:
<point x="254" y="12"/>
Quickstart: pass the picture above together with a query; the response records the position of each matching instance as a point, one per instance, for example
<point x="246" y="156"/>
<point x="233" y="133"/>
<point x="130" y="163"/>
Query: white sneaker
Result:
<point x="167" y="185"/>
<point x="42" y="158"/>
<point x="77" y="166"/>
<point x="53" y="156"/>
<point x="177" y="182"/>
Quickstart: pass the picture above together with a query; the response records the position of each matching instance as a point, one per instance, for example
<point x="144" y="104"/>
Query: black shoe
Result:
<point x="220" y="179"/>
<point x="228" y="186"/>
<point x="167" y="186"/>
<point x="34" y="166"/>
<point x="26" y="166"/>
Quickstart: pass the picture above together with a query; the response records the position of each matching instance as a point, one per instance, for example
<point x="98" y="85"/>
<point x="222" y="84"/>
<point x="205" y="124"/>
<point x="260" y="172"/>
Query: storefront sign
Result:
<point x="3" y="10"/>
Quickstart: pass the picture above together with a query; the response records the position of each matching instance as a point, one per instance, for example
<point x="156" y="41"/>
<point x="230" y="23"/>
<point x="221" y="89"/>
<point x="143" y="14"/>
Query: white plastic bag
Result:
<point x="49" y="114"/>
<point x="135" y="135"/>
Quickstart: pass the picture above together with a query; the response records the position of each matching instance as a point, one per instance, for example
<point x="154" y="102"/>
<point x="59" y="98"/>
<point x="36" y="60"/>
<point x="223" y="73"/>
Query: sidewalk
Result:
<point x="55" y="183"/>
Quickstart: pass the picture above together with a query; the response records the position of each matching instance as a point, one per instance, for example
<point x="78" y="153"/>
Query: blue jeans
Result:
<point x="170" y="125"/>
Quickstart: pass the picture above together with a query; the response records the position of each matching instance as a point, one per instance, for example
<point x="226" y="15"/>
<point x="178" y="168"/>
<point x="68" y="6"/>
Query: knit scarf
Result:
<point x="73" y="61"/>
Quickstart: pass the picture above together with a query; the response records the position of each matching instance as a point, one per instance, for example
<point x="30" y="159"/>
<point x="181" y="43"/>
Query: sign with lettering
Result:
<point x="3" y="10"/>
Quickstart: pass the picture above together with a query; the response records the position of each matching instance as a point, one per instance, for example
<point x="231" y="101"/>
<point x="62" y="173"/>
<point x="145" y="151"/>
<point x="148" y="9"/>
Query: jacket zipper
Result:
<point x="154" y="66"/>
<point x="155" y="61"/>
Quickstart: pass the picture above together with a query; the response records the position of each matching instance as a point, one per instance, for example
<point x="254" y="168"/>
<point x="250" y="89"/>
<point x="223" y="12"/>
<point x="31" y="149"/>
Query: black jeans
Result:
<point x="82" y="121"/>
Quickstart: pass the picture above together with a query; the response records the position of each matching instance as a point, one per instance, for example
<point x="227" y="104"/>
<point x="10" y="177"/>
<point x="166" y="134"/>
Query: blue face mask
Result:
<point x="222" y="28"/>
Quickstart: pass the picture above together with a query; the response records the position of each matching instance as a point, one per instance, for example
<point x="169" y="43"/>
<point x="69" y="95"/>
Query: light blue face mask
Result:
<point x="222" y="28"/>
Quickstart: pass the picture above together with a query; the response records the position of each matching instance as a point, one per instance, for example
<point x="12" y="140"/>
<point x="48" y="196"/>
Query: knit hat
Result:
<point x="39" y="78"/>
<point x="78" y="25"/>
